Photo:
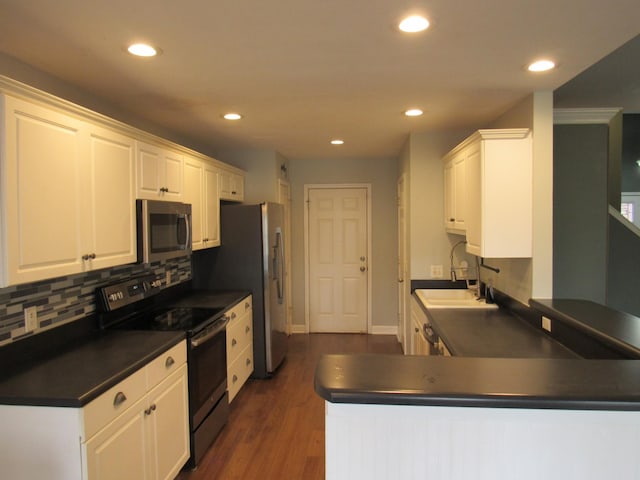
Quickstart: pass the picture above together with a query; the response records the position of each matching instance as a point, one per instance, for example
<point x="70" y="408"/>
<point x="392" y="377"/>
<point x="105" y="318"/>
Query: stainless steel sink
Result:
<point x="451" y="298"/>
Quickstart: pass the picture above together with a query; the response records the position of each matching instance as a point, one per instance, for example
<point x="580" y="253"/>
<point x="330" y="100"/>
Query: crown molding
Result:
<point x="584" y="116"/>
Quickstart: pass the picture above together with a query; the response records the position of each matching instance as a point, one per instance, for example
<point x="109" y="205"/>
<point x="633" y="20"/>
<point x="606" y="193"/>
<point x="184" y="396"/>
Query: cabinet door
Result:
<point x="449" y="196"/>
<point x="211" y="207"/>
<point x="231" y="186"/>
<point x="169" y="426"/>
<point x="110" y="205"/>
<point x="460" y="191"/>
<point x="193" y="194"/>
<point x="41" y="189"/>
<point x="119" y="451"/>
<point x="159" y="173"/>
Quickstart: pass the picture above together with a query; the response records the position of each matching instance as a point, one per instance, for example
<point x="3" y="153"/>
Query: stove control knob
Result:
<point x="120" y="295"/>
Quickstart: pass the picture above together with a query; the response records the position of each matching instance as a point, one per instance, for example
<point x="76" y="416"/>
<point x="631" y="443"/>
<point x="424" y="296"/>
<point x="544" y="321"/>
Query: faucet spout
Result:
<point x="453" y="269"/>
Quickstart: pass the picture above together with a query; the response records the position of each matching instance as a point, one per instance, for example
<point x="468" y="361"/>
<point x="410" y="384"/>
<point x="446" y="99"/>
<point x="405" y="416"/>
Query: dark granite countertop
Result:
<point x="618" y="329"/>
<point x="212" y="298"/>
<point x="493" y="333"/>
<point x="479" y="382"/>
<point x="78" y="375"/>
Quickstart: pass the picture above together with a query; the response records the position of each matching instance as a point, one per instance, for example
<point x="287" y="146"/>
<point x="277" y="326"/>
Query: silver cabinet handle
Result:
<point x="119" y="399"/>
<point x="234" y="379"/>
<point x="233" y="342"/>
<point x="169" y="362"/>
<point x="233" y="315"/>
<point x="248" y="361"/>
<point x="247" y="305"/>
<point x="247" y="329"/>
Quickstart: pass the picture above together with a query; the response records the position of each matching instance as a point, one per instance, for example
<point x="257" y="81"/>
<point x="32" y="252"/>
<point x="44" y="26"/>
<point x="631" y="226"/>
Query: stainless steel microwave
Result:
<point x="164" y="230"/>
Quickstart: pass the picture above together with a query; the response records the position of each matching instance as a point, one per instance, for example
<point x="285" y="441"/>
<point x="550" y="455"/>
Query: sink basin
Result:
<point x="451" y="298"/>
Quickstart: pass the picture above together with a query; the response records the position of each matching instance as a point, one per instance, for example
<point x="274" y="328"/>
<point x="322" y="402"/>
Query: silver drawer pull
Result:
<point x="234" y="379"/>
<point x="233" y="342"/>
<point x="233" y="315"/>
<point x="119" y="399"/>
<point x="169" y="362"/>
<point x="248" y="361"/>
<point x="247" y="305"/>
<point x="247" y="329"/>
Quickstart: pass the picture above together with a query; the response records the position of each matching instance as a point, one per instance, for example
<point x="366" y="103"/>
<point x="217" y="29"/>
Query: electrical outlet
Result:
<point x="436" y="271"/>
<point x="30" y="319"/>
<point x="167" y="280"/>
<point x="546" y="324"/>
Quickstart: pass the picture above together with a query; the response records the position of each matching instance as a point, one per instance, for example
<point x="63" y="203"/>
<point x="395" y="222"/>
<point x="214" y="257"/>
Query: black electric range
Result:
<point x="132" y="305"/>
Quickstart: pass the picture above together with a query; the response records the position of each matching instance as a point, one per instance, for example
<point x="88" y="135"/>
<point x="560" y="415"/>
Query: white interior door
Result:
<point x="338" y="263"/>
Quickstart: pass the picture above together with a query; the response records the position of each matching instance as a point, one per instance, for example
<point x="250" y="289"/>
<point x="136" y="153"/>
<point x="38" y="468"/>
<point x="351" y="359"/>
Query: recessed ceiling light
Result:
<point x="413" y="112"/>
<point x="142" y="50"/>
<point x="541" y="66"/>
<point x="413" y="24"/>
<point x="232" y="116"/>
<point x="337" y="142"/>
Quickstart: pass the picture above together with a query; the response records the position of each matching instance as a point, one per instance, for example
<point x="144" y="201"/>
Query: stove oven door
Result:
<point x="207" y="370"/>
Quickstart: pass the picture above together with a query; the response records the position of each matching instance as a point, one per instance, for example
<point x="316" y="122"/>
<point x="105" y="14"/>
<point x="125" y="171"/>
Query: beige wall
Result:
<point x="381" y="175"/>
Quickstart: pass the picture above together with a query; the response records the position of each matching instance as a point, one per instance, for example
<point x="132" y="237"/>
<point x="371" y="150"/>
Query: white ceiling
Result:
<point x="303" y="72"/>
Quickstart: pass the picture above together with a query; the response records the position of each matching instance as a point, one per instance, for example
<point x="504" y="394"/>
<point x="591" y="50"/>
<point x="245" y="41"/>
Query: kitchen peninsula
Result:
<point x="416" y="417"/>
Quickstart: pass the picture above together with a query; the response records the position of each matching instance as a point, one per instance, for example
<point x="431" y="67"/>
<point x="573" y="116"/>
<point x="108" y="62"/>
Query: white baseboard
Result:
<point x="384" y="330"/>
<point x="375" y="329"/>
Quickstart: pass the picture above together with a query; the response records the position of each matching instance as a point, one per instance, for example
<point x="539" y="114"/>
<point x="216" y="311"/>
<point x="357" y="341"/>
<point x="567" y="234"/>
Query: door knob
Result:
<point x="362" y="269"/>
<point x="362" y="259"/>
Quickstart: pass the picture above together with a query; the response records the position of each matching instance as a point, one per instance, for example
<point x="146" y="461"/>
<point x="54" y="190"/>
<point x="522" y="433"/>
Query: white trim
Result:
<point x="629" y="225"/>
<point x="331" y="186"/>
<point x="384" y="330"/>
<point x="584" y="116"/>
<point x="487" y="134"/>
<point x="297" y="328"/>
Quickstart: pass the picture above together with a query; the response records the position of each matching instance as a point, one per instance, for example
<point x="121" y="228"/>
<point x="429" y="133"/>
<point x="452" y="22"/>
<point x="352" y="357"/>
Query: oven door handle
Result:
<point x="210" y="332"/>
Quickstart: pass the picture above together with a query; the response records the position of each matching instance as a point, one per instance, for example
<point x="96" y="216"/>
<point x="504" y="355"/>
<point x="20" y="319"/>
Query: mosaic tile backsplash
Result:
<point x="65" y="299"/>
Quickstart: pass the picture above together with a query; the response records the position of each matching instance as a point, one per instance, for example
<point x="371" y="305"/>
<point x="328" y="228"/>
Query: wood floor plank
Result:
<point x="276" y="426"/>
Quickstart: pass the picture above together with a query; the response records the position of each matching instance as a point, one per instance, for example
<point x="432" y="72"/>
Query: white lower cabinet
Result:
<point x="136" y="430"/>
<point x="239" y="346"/>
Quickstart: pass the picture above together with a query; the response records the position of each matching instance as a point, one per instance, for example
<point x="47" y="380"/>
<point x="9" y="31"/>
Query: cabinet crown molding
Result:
<point x="584" y="116"/>
<point x="489" y="134"/>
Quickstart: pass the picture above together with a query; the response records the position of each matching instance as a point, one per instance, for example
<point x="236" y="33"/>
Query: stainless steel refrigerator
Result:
<point x="251" y="257"/>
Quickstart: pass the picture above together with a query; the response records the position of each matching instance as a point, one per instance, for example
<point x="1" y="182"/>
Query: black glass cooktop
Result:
<point x="186" y="319"/>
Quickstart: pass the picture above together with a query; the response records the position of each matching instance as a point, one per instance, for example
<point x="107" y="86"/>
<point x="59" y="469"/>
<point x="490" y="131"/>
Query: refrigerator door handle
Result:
<point x="278" y="265"/>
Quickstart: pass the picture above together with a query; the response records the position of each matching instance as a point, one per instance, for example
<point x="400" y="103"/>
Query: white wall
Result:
<point x="381" y="174"/>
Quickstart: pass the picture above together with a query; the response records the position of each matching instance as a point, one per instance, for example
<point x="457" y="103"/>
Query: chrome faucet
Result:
<point x="453" y="269"/>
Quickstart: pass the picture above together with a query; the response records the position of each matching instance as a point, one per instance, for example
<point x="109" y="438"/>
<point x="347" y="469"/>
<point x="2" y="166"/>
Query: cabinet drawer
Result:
<point x="239" y="371"/>
<point x="113" y="402"/>
<point x="165" y="364"/>
<point x="240" y="309"/>
<point x="239" y="335"/>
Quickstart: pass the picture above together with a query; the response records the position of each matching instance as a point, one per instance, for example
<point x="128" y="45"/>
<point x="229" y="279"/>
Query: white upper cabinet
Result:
<point x="231" y="186"/>
<point x="160" y="173"/>
<point x="455" y="190"/>
<point x="211" y="207"/>
<point x="499" y="193"/>
<point x="201" y="191"/>
<point x="193" y="194"/>
<point x="67" y="184"/>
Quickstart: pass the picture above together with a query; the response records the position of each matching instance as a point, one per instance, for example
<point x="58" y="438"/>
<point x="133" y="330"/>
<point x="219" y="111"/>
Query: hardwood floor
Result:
<point x="276" y="426"/>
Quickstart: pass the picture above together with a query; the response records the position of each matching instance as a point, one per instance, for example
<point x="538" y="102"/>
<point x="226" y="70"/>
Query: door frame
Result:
<point x="335" y="186"/>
